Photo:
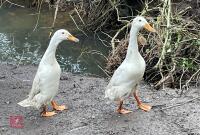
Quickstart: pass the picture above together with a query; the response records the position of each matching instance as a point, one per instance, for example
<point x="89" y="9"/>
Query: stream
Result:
<point x="21" y="44"/>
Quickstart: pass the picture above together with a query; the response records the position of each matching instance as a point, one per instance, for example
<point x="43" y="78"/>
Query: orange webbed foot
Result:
<point x="58" y="107"/>
<point x="144" y="107"/>
<point x="48" y="114"/>
<point x="141" y="105"/>
<point x="123" y="111"/>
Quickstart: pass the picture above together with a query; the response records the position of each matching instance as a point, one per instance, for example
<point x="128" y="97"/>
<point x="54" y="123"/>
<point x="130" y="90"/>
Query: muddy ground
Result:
<point x="90" y="114"/>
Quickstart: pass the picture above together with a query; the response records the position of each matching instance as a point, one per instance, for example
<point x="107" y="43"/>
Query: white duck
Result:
<point x="128" y="75"/>
<point x="46" y="82"/>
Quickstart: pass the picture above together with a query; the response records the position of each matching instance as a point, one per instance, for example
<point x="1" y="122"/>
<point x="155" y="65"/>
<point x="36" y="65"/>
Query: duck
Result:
<point x="126" y="78"/>
<point x="46" y="82"/>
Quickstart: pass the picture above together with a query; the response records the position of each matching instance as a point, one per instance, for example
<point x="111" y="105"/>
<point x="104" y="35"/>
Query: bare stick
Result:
<point x="77" y="25"/>
<point x="38" y="17"/>
<point x="179" y="104"/>
<point x="187" y="83"/>
<point x="79" y="16"/>
<point x="13" y="4"/>
<point x="167" y="36"/>
<point x="103" y="70"/>
<point x="117" y="33"/>
<point x="55" y="14"/>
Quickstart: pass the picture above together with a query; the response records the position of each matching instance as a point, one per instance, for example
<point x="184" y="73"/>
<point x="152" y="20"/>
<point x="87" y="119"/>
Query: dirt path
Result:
<point x="89" y="113"/>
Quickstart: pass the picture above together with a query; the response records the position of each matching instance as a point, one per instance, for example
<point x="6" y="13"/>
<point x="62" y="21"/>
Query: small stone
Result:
<point x="2" y="77"/>
<point x="62" y="92"/>
<point x="7" y="102"/>
<point x="32" y="118"/>
<point x="64" y="78"/>
<point x="126" y="120"/>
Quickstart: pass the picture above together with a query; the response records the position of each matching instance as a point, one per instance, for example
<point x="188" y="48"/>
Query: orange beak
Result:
<point x="149" y="28"/>
<point x="72" y="38"/>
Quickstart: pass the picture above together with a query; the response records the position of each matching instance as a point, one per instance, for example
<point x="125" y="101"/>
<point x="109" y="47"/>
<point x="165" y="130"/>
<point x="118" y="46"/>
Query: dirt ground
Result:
<point x="90" y="114"/>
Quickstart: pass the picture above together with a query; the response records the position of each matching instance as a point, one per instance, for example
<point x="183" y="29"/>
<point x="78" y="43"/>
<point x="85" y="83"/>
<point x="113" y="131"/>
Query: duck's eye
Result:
<point x="63" y="32"/>
<point x="140" y="20"/>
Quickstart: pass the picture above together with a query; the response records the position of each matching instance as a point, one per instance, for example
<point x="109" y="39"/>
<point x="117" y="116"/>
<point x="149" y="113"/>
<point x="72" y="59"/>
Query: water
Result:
<point x="19" y="44"/>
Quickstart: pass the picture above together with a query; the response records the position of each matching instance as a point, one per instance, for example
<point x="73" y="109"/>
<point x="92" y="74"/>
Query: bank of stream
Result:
<point x="90" y="114"/>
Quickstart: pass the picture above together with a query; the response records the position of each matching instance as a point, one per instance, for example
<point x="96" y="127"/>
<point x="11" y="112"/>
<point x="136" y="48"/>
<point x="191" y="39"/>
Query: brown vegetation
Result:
<point x="172" y="55"/>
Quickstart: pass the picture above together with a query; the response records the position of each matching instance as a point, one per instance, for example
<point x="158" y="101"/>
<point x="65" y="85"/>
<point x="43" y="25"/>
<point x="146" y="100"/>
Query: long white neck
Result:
<point x="133" y="44"/>
<point x="51" y="50"/>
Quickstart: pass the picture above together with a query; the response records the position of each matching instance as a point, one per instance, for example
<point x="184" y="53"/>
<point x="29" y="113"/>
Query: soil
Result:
<point x="90" y="114"/>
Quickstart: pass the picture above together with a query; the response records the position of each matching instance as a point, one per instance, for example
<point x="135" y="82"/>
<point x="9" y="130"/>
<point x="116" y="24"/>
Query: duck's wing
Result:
<point x="120" y="76"/>
<point x="35" y="86"/>
<point x="42" y="80"/>
<point x="34" y="91"/>
<point x="121" y="84"/>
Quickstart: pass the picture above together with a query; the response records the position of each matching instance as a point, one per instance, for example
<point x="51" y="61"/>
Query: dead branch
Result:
<point x="179" y="104"/>
<point x="11" y="3"/>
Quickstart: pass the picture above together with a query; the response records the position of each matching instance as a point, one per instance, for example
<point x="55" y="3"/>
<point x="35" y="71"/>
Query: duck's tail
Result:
<point x="25" y="103"/>
<point x="107" y="93"/>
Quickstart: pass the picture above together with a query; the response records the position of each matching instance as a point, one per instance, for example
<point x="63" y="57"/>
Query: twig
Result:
<point x="79" y="16"/>
<point x="12" y="4"/>
<point x="77" y="84"/>
<point x="181" y="103"/>
<point x="170" y="74"/>
<point x="167" y="36"/>
<point x="55" y="14"/>
<point x="102" y="41"/>
<point x="188" y="81"/>
<point x="117" y="33"/>
<point x="38" y="17"/>
<point x="103" y="70"/>
<point x="77" y="25"/>
<point x="20" y="59"/>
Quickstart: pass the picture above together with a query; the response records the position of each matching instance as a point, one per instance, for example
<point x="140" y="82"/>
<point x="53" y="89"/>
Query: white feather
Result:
<point x="46" y="82"/>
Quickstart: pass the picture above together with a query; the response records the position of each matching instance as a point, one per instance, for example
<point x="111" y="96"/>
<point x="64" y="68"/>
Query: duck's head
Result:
<point x="63" y="34"/>
<point x="140" y="22"/>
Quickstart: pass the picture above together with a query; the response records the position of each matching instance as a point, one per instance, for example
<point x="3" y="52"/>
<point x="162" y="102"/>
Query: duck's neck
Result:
<point x="51" y="50"/>
<point x="133" y="44"/>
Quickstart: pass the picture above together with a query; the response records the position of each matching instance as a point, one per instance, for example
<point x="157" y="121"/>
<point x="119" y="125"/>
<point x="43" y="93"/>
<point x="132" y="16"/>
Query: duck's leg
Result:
<point x="57" y="107"/>
<point x="44" y="113"/>
<point x="141" y="105"/>
<point x="121" y="110"/>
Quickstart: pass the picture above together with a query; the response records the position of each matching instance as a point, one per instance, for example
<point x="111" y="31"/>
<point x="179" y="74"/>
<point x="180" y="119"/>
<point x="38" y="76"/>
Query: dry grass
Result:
<point x="172" y="54"/>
